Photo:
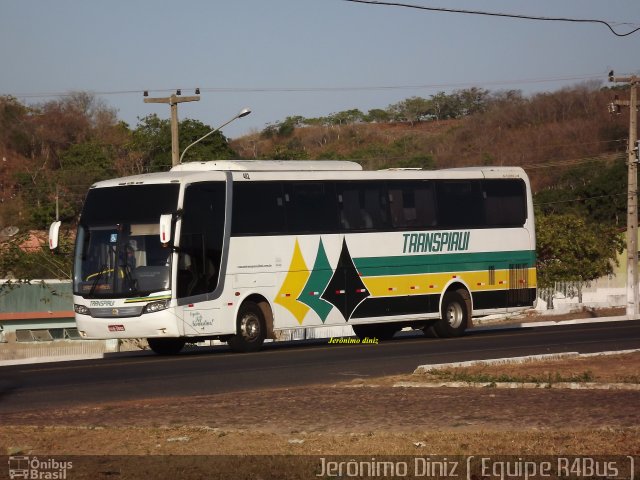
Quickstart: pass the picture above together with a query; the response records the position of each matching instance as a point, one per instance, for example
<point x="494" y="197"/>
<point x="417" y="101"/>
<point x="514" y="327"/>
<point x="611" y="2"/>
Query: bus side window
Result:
<point x="412" y="204"/>
<point x="349" y="206"/>
<point x="460" y="204"/>
<point x="258" y="208"/>
<point x="311" y="207"/>
<point x="505" y="202"/>
<point x="376" y="205"/>
<point x="426" y="205"/>
<point x="362" y="206"/>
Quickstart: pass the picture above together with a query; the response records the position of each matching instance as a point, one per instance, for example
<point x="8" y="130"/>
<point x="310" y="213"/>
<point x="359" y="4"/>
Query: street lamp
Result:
<point x="243" y="113"/>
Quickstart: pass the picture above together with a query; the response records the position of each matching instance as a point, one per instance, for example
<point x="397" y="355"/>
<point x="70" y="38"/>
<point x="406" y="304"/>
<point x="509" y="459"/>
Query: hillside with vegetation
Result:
<point x="573" y="149"/>
<point x="467" y="128"/>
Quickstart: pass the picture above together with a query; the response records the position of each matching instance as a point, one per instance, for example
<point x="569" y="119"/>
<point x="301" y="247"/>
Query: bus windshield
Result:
<point x="118" y="248"/>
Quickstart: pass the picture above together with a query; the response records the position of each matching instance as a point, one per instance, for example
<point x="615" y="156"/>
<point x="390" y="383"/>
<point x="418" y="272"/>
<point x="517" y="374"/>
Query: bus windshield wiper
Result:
<point x="103" y="268"/>
<point x="128" y="277"/>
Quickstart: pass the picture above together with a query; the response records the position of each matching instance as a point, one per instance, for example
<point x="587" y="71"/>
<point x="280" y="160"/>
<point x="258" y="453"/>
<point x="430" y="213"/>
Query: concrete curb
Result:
<point x="516" y="360"/>
<point x="52" y="359"/>
<point x="526" y="385"/>
<point x="551" y="323"/>
<point x="422" y="369"/>
<point x="496" y="361"/>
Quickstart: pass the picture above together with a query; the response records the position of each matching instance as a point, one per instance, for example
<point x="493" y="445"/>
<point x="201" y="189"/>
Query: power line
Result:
<point x="496" y="14"/>
<point x="563" y="145"/>
<point x="582" y="199"/>
<point x="343" y="88"/>
<point x="573" y="161"/>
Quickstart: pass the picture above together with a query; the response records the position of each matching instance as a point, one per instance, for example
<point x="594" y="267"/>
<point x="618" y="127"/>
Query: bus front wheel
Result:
<point x="454" y="315"/>
<point x="166" y="346"/>
<point x="250" y="329"/>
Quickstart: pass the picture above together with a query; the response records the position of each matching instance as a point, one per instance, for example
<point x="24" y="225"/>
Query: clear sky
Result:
<point x="300" y="57"/>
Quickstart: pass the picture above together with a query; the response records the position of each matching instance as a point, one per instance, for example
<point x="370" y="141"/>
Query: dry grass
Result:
<point x="204" y="440"/>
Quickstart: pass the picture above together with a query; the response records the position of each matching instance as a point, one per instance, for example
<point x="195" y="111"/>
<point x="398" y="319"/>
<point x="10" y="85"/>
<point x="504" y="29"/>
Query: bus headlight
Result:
<point x="155" y="306"/>
<point x="81" y="309"/>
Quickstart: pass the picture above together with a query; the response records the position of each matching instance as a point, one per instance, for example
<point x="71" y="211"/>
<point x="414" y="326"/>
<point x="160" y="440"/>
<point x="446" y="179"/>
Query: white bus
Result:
<point x="239" y="250"/>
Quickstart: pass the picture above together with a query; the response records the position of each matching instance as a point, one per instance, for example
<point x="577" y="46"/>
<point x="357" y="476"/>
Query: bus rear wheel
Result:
<point x="429" y="329"/>
<point x="454" y="315"/>
<point x="166" y="346"/>
<point x="250" y="329"/>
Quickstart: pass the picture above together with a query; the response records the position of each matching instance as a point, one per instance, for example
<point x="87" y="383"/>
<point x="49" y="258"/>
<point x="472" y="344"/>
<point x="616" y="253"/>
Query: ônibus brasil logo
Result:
<point x="35" y="468"/>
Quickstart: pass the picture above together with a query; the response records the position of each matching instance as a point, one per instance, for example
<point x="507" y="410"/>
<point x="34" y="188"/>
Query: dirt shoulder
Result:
<point x="359" y="417"/>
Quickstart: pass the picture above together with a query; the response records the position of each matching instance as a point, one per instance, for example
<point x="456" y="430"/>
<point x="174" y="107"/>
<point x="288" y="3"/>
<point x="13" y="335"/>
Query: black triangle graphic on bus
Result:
<point x="345" y="290"/>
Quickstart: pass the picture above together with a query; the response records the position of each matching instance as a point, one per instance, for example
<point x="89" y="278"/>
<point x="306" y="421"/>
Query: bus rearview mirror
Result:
<point x="54" y="234"/>
<point x="165" y="227"/>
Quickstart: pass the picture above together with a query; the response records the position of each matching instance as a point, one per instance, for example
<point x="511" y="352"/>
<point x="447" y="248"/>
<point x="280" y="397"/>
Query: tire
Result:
<point x="166" y="346"/>
<point x="429" y="330"/>
<point x="454" y="315"/>
<point x="250" y="328"/>
<point x="382" y="332"/>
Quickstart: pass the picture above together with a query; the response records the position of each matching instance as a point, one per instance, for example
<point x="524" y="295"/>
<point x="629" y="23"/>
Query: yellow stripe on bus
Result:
<point x="425" y="284"/>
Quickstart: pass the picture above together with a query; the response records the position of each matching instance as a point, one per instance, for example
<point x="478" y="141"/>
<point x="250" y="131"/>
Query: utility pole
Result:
<point x="173" y="101"/>
<point x="57" y="204"/>
<point x="632" y="190"/>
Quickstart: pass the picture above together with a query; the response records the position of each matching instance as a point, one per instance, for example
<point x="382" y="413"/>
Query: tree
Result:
<point x="286" y="128"/>
<point x="595" y="190"/>
<point x="13" y="134"/>
<point x="346" y="117"/>
<point x="81" y="166"/>
<point x="472" y="100"/>
<point x="23" y="264"/>
<point x="377" y="115"/>
<point x="443" y="106"/>
<point x="414" y="109"/>
<point x="56" y="125"/>
<point x="36" y="141"/>
<point x="571" y="249"/>
<point x="214" y="147"/>
<point x="152" y="139"/>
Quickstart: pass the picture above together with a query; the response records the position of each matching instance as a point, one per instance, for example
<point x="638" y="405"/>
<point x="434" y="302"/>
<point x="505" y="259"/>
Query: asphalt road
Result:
<point x="140" y="375"/>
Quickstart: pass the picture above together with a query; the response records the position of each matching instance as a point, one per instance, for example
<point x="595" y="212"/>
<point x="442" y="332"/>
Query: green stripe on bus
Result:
<point x="454" y="262"/>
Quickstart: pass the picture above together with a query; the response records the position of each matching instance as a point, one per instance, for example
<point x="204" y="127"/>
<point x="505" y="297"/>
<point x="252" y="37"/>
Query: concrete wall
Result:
<point x="36" y="305"/>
